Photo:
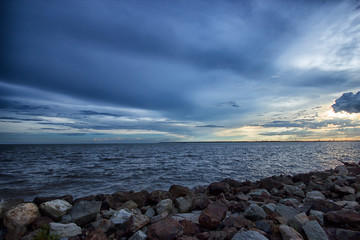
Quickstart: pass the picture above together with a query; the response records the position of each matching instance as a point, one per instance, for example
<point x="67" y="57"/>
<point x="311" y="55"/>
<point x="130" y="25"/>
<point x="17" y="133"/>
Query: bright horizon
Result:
<point x="199" y="71"/>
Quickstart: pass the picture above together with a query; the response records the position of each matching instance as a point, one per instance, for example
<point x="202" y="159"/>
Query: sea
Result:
<point x="28" y="171"/>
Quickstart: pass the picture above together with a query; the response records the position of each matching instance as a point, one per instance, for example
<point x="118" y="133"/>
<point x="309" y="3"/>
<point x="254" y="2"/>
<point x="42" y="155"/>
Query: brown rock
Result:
<point x="344" y="189"/>
<point x="237" y="222"/>
<point x="201" y="203"/>
<point x="40" y="222"/>
<point x="180" y="191"/>
<point x="269" y="183"/>
<point x="189" y="227"/>
<point x="343" y="216"/>
<point x="302" y="177"/>
<point x="97" y="234"/>
<point x="165" y="229"/>
<point x="107" y="201"/>
<point x="235" y="207"/>
<point x="320" y="205"/>
<point x="338" y="233"/>
<point x="203" y="235"/>
<point x="218" y="235"/>
<point x="288" y="233"/>
<point x="218" y="187"/>
<point x="158" y="195"/>
<point x="141" y="198"/>
<point x="212" y="216"/>
<point x="136" y="222"/>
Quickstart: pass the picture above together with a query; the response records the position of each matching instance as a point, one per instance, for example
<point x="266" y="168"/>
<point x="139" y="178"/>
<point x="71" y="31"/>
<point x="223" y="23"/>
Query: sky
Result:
<point x="152" y="71"/>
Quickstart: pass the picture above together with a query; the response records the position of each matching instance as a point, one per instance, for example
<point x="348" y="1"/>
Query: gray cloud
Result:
<point x="348" y="102"/>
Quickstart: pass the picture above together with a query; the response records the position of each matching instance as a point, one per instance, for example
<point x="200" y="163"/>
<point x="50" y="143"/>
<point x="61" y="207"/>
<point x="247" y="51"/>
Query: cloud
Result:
<point x="348" y="102"/>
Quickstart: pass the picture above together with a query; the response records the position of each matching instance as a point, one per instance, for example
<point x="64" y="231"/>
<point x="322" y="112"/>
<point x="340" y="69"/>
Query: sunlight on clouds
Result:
<point x="331" y="114"/>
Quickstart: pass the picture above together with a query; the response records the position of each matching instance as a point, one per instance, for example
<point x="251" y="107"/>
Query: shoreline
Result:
<point x="325" y="203"/>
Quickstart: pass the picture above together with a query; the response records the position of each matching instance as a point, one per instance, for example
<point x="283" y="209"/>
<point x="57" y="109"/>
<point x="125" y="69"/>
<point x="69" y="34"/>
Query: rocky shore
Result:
<point x="313" y="206"/>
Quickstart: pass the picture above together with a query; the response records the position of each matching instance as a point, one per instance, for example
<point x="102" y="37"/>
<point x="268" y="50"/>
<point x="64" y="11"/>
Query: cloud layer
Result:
<point x="348" y="102"/>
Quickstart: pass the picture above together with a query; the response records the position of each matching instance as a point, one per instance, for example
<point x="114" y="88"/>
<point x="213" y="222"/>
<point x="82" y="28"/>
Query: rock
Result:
<point x="319" y="215"/>
<point x="218" y="187"/>
<point x="201" y="203"/>
<point x="254" y="212"/>
<point x="338" y="233"/>
<point x="237" y="222"/>
<point x="136" y="222"/>
<point x="139" y="235"/>
<point x="352" y="205"/>
<point x="55" y="208"/>
<point x="288" y="233"/>
<point x="103" y="224"/>
<point x="298" y="221"/>
<point x="285" y="211"/>
<point x="120" y="218"/>
<point x="39" y="200"/>
<point x="269" y="184"/>
<point x="217" y="235"/>
<point x="65" y="230"/>
<point x="193" y="216"/>
<point x="129" y="205"/>
<point x="314" y="231"/>
<point x="41" y="222"/>
<point x="269" y="208"/>
<point x="294" y="191"/>
<point x="180" y="191"/>
<point x="165" y="229"/>
<point x="150" y="212"/>
<point x="66" y="219"/>
<point x="18" y="218"/>
<point x="315" y="195"/>
<point x="321" y="205"/>
<point x="6" y="205"/>
<point x="259" y="192"/>
<point x="107" y="213"/>
<point x="183" y="205"/>
<point x="344" y="189"/>
<point x="249" y="235"/>
<point x="343" y="216"/>
<point x="158" y="195"/>
<point x="265" y="225"/>
<point x="212" y="216"/>
<point x="290" y="202"/>
<point x="350" y="197"/>
<point x="189" y="227"/>
<point x="97" y="234"/>
<point x="84" y="212"/>
<point x="164" y="206"/>
<point x="140" y="198"/>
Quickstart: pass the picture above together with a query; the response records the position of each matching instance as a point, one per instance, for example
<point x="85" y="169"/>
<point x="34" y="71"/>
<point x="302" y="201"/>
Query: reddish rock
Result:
<point x="165" y="229"/>
<point x="218" y="187"/>
<point x="180" y="191"/>
<point x="136" y="222"/>
<point x="40" y="222"/>
<point x="97" y="234"/>
<point x="212" y="216"/>
<point x="237" y="222"/>
<point x="156" y="196"/>
<point x="343" y="216"/>
<point x="189" y="227"/>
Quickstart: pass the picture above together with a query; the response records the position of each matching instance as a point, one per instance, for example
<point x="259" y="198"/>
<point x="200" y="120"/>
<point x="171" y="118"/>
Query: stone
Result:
<point x="294" y="191"/>
<point x="65" y="230"/>
<point x="189" y="227"/>
<point x="315" y="195"/>
<point x="120" y="218"/>
<point x="218" y="187"/>
<point x="167" y="228"/>
<point x="212" y="216"/>
<point x="139" y="235"/>
<point x="150" y="212"/>
<point x="344" y="189"/>
<point x="183" y="205"/>
<point x="159" y="217"/>
<point x="107" y="213"/>
<point x="288" y="233"/>
<point x="217" y="235"/>
<point x="18" y="218"/>
<point x="156" y="196"/>
<point x="39" y="200"/>
<point x="314" y="231"/>
<point x="259" y="192"/>
<point x="352" y="205"/>
<point x="339" y="233"/>
<point x="84" y="212"/>
<point x="286" y="211"/>
<point x="298" y="221"/>
<point x="201" y="203"/>
<point x="180" y="191"/>
<point x="97" y="234"/>
<point x="66" y="219"/>
<point x="103" y="224"/>
<point x="237" y="221"/>
<point x="343" y="216"/>
<point x="129" y="205"/>
<point x="321" y="205"/>
<point x="140" y="198"/>
<point x="265" y="225"/>
<point x="55" y="208"/>
<point x="290" y="202"/>
<point x="193" y="216"/>
<point x="164" y="206"/>
<point x="136" y="222"/>
<point x="254" y="212"/>
<point x="249" y="235"/>
<point x="269" y="184"/>
<point x="269" y="208"/>
<point x="41" y="222"/>
<point x="7" y="204"/>
<point x="319" y="215"/>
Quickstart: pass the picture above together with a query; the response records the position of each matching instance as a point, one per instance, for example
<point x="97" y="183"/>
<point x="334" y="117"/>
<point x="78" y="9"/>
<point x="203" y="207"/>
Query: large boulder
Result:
<point x="165" y="205"/>
<point x="293" y="191"/>
<point x="167" y="228"/>
<point x="180" y="191"/>
<point x="55" y="208"/>
<point x="254" y="212"/>
<point x="84" y="212"/>
<point x="288" y="233"/>
<point x="136" y="222"/>
<point x="218" y="187"/>
<point x="315" y="195"/>
<point x="314" y="231"/>
<point x="212" y="216"/>
<point x="120" y="218"/>
<point x="65" y="230"/>
<point x="183" y="205"/>
<point x="286" y="211"/>
<point x="343" y="216"/>
<point x="18" y="218"/>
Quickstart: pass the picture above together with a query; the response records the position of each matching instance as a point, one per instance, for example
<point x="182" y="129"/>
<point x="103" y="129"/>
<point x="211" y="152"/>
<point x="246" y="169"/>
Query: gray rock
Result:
<point x="159" y="217"/>
<point x="288" y="233"/>
<point x="139" y="235"/>
<point x="183" y="205"/>
<point x="269" y="208"/>
<point x="65" y="230"/>
<point x="318" y="214"/>
<point x="314" y="231"/>
<point x="103" y="224"/>
<point x="193" y="216"/>
<point x="315" y="195"/>
<point x="85" y="211"/>
<point x="66" y="219"/>
<point x="129" y="205"/>
<point x="150" y="212"/>
<point x="249" y="235"/>
<point x="56" y="208"/>
<point x="254" y="212"/>
<point x="286" y="212"/>
<point x="264" y="225"/>
<point x="352" y="205"/>
<point x="293" y="201"/>
<point x="344" y="189"/>
<point x="298" y="221"/>
<point x="259" y="192"/>
<point x="120" y="217"/>
<point x="164" y="206"/>
<point x="107" y="213"/>
<point x="136" y="222"/>
<point x="293" y="190"/>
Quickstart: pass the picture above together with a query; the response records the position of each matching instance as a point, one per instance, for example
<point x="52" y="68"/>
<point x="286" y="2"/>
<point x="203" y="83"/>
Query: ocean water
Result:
<point x="27" y="171"/>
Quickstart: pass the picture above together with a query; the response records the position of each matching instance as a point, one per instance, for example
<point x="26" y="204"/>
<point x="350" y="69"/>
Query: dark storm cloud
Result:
<point x="348" y="102"/>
